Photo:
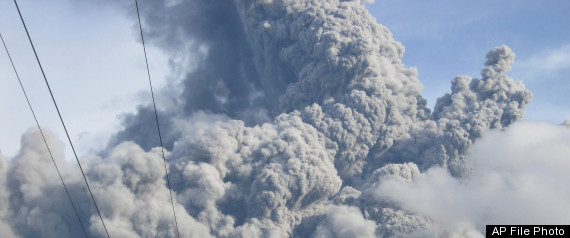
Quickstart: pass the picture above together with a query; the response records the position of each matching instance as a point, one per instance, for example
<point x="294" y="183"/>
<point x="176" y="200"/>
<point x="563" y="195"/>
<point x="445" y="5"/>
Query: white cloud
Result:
<point x="343" y="221"/>
<point x="546" y="63"/>
<point x="521" y="177"/>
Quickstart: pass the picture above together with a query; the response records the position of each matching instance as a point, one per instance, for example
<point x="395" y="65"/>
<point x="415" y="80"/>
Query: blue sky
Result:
<point x="93" y="59"/>
<point x="448" y="38"/>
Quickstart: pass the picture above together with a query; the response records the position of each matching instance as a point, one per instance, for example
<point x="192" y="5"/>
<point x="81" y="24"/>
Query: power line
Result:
<point x="61" y="118"/>
<point x="156" y="117"/>
<point x="44" y="138"/>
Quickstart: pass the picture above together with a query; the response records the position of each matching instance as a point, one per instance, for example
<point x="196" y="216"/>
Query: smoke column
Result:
<point x="299" y="119"/>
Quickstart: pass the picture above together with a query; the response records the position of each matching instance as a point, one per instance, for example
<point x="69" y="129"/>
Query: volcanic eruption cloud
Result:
<point x="298" y="119"/>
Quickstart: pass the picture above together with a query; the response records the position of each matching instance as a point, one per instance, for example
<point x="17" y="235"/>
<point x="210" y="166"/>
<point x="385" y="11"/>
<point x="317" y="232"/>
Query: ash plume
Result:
<point x="293" y="119"/>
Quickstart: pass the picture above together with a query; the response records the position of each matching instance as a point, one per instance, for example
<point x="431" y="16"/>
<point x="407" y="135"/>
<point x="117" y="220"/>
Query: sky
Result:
<point x="444" y="39"/>
<point x="94" y="61"/>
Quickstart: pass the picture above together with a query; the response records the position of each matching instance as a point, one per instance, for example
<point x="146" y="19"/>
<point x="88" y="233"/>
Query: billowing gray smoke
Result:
<point x="293" y="118"/>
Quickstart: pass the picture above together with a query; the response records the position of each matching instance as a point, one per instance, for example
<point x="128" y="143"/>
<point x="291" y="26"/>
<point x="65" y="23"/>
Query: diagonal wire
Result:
<point x="42" y="133"/>
<point x="156" y="117"/>
<point x="61" y="118"/>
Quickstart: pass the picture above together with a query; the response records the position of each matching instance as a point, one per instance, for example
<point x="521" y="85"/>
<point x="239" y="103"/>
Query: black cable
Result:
<point x="61" y="118"/>
<point x="156" y="117"/>
<point x="42" y="133"/>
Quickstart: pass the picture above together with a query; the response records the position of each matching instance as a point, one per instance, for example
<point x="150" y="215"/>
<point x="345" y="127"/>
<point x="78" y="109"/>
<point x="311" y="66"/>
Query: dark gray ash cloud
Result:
<point x="294" y="119"/>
